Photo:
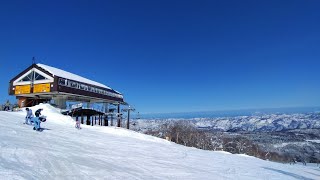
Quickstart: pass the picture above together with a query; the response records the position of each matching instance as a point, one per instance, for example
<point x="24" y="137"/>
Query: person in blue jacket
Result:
<point x="36" y="123"/>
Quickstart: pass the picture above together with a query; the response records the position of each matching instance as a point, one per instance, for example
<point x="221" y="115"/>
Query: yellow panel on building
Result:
<point x="41" y="88"/>
<point x="22" y="89"/>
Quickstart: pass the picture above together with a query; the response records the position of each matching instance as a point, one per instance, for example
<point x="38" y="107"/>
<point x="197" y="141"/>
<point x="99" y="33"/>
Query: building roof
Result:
<point x="64" y="74"/>
<point x="44" y="82"/>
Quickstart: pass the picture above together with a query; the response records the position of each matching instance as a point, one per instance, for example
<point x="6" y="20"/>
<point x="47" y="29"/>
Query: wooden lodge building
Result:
<point x="42" y="83"/>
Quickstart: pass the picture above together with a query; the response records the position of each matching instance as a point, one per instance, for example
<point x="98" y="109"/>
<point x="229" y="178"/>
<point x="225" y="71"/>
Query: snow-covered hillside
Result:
<point x="63" y="152"/>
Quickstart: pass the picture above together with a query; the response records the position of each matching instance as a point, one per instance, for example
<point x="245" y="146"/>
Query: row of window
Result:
<point x="76" y="85"/>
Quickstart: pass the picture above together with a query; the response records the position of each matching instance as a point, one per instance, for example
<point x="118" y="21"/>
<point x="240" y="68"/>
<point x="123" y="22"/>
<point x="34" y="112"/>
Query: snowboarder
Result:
<point x="29" y="116"/>
<point x="36" y="124"/>
<point x="37" y="120"/>
<point x="38" y="112"/>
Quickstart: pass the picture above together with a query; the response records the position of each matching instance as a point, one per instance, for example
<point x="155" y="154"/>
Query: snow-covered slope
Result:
<point x="63" y="152"/>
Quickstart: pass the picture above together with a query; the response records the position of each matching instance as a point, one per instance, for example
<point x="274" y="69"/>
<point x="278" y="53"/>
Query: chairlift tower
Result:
<point x="128" y="110"/>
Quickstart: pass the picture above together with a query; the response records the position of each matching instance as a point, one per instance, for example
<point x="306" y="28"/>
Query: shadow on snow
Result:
<point x="288" y="173"/>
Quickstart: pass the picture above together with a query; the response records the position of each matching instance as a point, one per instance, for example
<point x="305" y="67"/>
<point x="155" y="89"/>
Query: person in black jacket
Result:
<point x="38" y="112"/>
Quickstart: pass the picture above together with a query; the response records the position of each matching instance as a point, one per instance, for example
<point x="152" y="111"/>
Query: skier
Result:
<point x="29" y="116"/>
<point x="77" y="124"/>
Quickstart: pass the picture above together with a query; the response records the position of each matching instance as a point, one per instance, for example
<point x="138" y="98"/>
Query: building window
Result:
<point x="38" y="76"/>
<point x="27" y="78"/>
<point x="32" y="76"/>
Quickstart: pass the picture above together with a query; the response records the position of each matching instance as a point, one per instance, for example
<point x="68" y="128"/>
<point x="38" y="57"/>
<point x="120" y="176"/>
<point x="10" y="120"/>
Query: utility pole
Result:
<point x="119" y="116"/>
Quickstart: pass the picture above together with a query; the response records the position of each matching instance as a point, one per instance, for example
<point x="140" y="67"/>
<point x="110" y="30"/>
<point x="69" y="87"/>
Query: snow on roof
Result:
<point x="64" y="74"/>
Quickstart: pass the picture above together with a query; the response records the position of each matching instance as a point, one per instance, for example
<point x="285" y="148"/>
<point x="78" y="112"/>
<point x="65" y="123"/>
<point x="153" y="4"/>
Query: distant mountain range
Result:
<point x="262" y="123"/>
<point x="254" y="123"/>
<point x="229" y="113"/>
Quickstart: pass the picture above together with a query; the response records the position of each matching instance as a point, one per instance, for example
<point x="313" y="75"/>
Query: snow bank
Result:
<point x="53" y="114"/>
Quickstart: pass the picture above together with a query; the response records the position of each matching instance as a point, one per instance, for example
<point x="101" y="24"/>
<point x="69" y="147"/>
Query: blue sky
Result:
<point x="173" y="56"/>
